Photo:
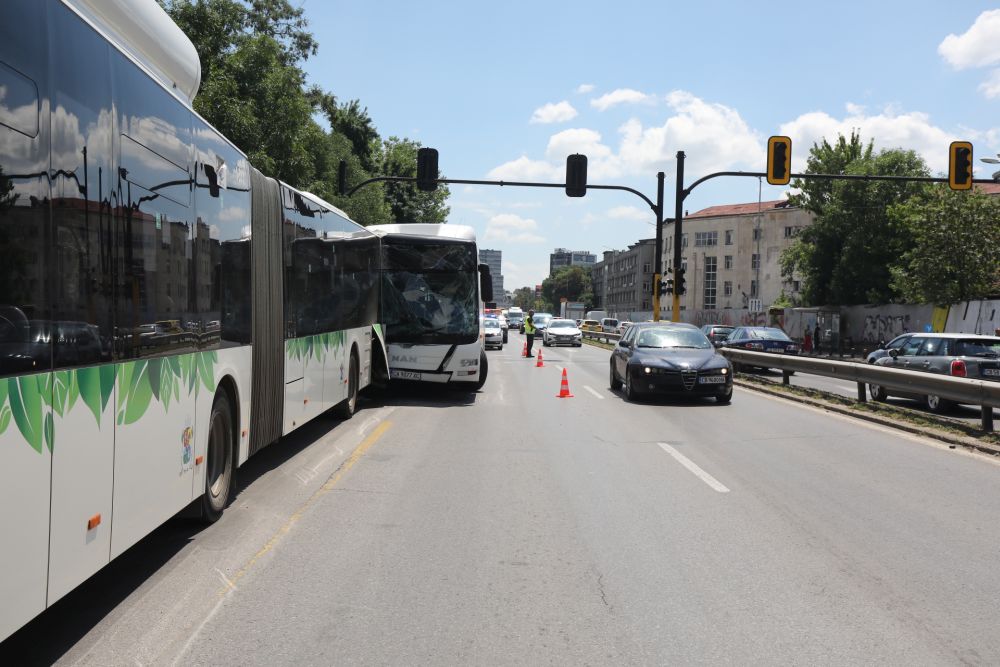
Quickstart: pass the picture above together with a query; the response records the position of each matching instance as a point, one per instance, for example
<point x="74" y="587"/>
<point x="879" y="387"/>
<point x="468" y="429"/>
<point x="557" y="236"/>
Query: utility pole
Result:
<point x="678" y="218"/>
<point x="658" y="266"/>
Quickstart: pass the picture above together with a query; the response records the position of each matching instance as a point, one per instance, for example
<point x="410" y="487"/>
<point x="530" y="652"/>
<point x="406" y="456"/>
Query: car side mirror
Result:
<point x="623" y="343"/>
<point x="893" y="352"/>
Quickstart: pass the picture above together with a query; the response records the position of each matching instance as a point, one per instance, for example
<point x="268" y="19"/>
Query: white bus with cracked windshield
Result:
<point x="433" y="289"/>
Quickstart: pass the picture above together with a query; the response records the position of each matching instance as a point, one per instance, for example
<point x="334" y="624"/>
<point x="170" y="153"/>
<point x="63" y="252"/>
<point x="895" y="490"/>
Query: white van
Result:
<point x="609" y="325"/>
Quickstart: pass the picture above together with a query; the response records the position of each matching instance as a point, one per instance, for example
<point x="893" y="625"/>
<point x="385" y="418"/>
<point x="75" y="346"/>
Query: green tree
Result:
<point x="845" y="255"/>
<point x="524" y="297"/>
<point x="955" y="254"/>
<point x="407" y="203"/>
<point x="570" y="282"/>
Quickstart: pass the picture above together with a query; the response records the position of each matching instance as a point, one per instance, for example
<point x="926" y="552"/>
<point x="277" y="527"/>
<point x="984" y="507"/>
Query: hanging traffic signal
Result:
<point x="960" y="165"/>
<point x="427" y="169"/>
<point x="779" y="160"/>
<point x="667" y="286"/>
<point x="576" y="175"/>
<point x="681" y="286"/>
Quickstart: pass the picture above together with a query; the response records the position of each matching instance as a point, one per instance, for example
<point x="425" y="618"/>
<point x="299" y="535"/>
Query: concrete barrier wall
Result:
<point x="980" y="317"/>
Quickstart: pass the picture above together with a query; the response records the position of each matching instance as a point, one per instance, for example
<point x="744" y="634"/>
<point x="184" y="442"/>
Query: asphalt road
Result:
<point x="514" y="527"/>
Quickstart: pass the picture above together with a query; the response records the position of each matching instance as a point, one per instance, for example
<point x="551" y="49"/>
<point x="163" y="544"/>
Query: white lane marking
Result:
<point x="593" y="392"/>
<point x="693" y="467"/>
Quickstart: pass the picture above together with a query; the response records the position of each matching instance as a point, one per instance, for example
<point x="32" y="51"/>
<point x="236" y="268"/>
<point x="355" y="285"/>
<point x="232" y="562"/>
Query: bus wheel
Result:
<point x="346" y="408"/>
<point x="484" y="369"/>
<point x="219" y="473"/>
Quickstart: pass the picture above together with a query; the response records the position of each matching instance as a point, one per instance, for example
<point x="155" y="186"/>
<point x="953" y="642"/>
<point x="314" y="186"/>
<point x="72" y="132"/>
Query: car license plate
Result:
<point x="991" y="372"/>
<point x="404" y="375"/>
<point x="712" y="379"/>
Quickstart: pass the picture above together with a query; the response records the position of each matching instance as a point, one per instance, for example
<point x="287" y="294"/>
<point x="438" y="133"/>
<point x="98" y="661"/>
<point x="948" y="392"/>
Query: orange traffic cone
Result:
<point x="564" y="389"/>
<point x="524" y="350"/>
<point x="539" y="363"/>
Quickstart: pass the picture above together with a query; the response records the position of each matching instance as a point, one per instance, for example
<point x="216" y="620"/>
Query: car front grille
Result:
<point x="689" y="378"/>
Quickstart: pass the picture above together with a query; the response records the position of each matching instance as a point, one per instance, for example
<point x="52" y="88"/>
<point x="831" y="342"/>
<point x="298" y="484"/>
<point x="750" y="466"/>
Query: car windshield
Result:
<point x="541" y="318"/>
<point x="722" y="331"/>
<point x="562" y="324"/>
<point x="664" y="338"/>
<point x="767" y="333"/>
<point x="977" y="348"/>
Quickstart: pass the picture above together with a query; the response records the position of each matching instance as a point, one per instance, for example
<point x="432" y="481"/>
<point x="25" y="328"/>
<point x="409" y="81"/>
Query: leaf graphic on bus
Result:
<point x="139" y="395"/>
<point x="50" y="431"/>
<point x="175" y="365"/>
<point x="45" y="388"/>
<point x="166" y="392"/>
<point x="124" y="384"/>
<point x="60" y="391"/>
<point x="3" y="391"/>
<point x="74" y="390"/>
<point x="206" y="371"/>
<point x="26" y="405"/>
<point x="153" y="367"/>
<point x="108" y="374"/>
<point x="89" y="380"/>
<point x="4" y="417"/>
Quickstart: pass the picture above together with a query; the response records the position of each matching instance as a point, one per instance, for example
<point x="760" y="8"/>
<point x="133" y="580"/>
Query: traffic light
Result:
<point x="427" y="169"/>
<point x="667" y="286"/>
<point x="960" y="165"/>
<point x="681" y="288"/>
<point x="576" y="175"/>
<point x="779" y="160"/>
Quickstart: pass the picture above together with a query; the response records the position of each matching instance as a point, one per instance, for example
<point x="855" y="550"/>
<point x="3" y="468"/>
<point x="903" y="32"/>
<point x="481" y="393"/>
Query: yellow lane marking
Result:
<point x="355" y="456"/>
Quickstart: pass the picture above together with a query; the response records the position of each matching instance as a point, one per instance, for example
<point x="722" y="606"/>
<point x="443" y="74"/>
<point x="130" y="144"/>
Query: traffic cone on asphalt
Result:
<point x="524" y="350"/>
<point x="539" y="363"/>
<point x="564" y="389"/>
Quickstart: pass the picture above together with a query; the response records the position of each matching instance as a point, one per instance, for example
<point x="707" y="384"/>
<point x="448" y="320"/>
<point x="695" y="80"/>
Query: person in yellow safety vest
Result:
<point x="529" y="331"/>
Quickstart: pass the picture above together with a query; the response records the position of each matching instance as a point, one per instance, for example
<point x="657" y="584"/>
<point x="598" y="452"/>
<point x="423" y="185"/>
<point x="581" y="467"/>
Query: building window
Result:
<point x="756" y="234"/>
<point x="753" y="289"/>
<point x="729" y="262"/>
<point x="727" y="288"/>
<point x="711" y="265"/>
<point x="790" y="232"/>
<point x="706" y="239"/>
<point x="645" y="267"/>
<point x="729" y="237"/>
<point x="795" y="285"/>
<point x="754" y="262"/>
<point x="684" y="240"/>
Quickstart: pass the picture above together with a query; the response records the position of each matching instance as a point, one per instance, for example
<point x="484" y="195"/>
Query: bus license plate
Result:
<point x="404" y="375"/>
<point x="991" y="372"/>
<point x="712" y="379"/>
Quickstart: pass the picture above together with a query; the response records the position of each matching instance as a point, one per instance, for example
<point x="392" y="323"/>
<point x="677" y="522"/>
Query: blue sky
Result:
<point x="507" y="90"/>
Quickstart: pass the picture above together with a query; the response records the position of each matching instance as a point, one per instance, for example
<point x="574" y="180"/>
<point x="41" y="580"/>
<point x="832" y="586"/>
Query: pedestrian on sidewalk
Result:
<point x="529" y="331"/>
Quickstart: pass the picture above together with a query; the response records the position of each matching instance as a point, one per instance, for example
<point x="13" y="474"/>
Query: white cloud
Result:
<point x="630" y="213"/>
<point x="554" y="113"/>
<point x="991" y="87"/>
<point x="889" y="129"/>
<point x="585" y="88"/>
<point x="577" y="140"/>
<point x="526" y="169"/>
<point x="977" y="46"/>
<point x="620" y="96"/>
<point x="511" y="228"/>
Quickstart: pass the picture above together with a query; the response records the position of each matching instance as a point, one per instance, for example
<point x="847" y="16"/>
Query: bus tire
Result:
<point x="346" y="408"/>
<point x="220" y="465"/>
<point x="484" y="369"/>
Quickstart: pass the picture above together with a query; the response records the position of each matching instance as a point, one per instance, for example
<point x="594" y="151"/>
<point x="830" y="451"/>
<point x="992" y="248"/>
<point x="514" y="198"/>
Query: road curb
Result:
<point x="937" y="434"/>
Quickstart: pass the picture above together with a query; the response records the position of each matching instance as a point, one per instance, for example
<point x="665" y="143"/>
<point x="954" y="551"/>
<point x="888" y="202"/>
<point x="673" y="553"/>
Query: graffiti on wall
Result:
<point x="884" y="327"/>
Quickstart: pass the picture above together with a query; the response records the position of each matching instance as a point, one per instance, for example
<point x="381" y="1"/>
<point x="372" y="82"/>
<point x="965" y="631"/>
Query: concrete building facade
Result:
<point x="623" y="281"/>
<point x="563" y="257"/>
<point x="494" y="260"/>
<point x="731" y="255"/>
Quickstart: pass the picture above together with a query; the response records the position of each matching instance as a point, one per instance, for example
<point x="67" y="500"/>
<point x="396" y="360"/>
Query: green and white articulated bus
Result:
<point x="433" y="289"/>
<point x="165" y="310"/>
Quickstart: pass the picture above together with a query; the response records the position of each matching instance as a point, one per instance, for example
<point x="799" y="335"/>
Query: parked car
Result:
<point x="541" y="321"/>
<point x="622" y="326"/>
<point x="493" y="333"/>
<point x="961" y="355"/>
<point x="504" y="326"/>
<point x="590" y="325"/>
<point x="717" y="333"/>
<point x="883" y="351"/>
<point x="761" y="339"/>
<point x="562" y="332"/>
<point x="609" y="325"/>
<point x="665" y="358"/>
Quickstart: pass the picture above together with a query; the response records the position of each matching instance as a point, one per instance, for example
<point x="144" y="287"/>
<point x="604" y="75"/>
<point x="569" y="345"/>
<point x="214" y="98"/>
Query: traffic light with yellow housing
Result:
<point x="960" y="165"/>
<point x="779" y="160"/>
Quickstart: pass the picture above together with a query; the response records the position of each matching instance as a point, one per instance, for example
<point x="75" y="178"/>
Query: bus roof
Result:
<point x="456" y="232"/>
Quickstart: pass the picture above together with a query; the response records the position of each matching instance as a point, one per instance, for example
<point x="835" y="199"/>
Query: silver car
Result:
<point x="562" y="332"/>
<point x="493" y="333"/>
<point x="961" y="355"/>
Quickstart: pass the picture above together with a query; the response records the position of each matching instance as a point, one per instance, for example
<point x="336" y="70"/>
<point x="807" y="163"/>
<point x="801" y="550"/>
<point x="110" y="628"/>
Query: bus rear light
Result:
<point x="958" y="368"/>
<point x="93" y="522"/>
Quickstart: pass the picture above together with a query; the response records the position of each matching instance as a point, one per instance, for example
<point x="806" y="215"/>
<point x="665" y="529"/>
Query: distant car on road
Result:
<point x="960" y="355"/>
<point x="883" y="351"/>
<point x="672" y="359"/>
<point x="590" y="325"/>
<point x="622" y="326"/>
<point x="493" y="333"/>
<point x="504" y="326"/>
<point x="609" y="325"/>
<point x="541" y="321"/>
<point x="761" y="339"/>
<point x="717" y="333"/>
<point x="562" y="332"/>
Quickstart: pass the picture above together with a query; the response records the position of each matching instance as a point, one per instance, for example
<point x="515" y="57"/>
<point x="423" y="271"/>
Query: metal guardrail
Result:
<point x="970" y="391"/>
<point x="601" y="336"/>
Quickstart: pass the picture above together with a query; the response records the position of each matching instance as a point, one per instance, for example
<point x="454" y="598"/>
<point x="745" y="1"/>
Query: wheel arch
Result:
<point x="228" y="387"/>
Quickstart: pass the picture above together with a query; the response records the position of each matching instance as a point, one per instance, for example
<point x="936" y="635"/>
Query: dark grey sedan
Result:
<point x="670" y="359"/>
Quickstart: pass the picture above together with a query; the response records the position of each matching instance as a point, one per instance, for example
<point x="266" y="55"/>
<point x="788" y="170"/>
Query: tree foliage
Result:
<point x="255" y="92"/>
<point x="955" y="252"/>
<point x="524" y="298"/>
<point x="407" y="203"/>
<point x="570" y="282"/>
<point x="845" y="256"/>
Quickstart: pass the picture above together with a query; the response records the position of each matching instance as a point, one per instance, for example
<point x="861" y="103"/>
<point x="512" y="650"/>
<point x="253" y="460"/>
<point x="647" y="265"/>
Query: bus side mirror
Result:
<point x="485" y="283"/>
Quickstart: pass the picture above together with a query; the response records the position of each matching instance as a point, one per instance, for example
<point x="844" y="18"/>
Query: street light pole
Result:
<point x="678" y="218"/>
<point x="658" y="267"/>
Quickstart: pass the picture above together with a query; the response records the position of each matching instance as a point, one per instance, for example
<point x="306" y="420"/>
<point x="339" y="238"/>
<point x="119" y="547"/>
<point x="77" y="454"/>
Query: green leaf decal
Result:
<point x="26" y="404"/>
<point x="3" y="391"/>
<point x="175" y="365"/>
<point x="108" y="373"/>
<point x="74" y="391"/>
<point x="45" y="388"/>
<point x="205" y="370"/>
<point x="154" y="367"/>
<point x="50" y="430"/>
<point x="60" y="392"/>
<point x="139" y="395"/>
<point x="124" y="384"/>
<point x="89" y="380"/>
<point x="4" y="417"/>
